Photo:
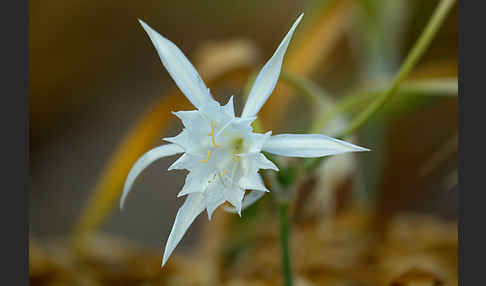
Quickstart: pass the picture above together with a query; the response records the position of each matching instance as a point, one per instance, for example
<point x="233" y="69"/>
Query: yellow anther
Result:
<point x="222" y="173"/>
<point x="212" y="136"/>
<point x="207" y="158"/>
<point x="211" y="180"/>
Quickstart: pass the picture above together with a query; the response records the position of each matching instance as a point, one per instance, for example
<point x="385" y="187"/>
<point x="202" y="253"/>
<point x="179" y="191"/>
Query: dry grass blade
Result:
<point x="318" y="37"/>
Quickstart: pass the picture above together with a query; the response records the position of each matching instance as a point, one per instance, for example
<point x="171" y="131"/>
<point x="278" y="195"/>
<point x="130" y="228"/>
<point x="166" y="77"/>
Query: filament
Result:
<point x="212" y="136"/>
<point x="207" y="158"/>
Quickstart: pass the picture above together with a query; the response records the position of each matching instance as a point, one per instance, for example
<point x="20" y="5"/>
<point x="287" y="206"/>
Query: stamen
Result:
<point x="235" y="157"/>
<point x="211" y="180"/>
<point x="212" y="136"/>
<point x="207" y="158"/>
<point x="222" y="173"/>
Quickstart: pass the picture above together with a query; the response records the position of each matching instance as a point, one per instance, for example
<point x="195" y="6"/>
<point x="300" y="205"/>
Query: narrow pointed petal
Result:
<point x="265" y="163"/>
<point x="257" y="140"/>
<point x="267" y="78"/>
<point x="191" y="208"/>
<point x="143" y="162"/>
<point x="249" y="199"/>
<point x="235" y="197"/>
<point x="183" y="162"/>
<point x="214" y="198"/>
<point x="196" y="181"/>
<point x="308" y="145"/>
<point x="189" y="118"/>
<point x="179" y="68"/>
<point x="184" y="139"/>
<point x="252" y="181"/>
<point x="230" y="107"/>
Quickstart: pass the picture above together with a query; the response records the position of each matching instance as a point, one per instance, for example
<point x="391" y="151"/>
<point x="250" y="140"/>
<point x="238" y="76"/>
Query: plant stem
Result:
<point x="438" y="86"/>
<point x="309" y="89"/>
<point x="342" y="106"/>
<point x="415" y="54"/>
<point x="284" y="240"/>
<point x="413" y="57"/>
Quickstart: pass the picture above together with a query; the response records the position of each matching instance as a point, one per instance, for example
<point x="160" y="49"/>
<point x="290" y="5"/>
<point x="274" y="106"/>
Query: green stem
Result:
<point x="415" y="54"/>
<point x="312" y="91"/>
<point x="284" y="240"/>
<point x="317" y="98"/>
<point x="442" y="86"/>
<point x="347" y="103"/>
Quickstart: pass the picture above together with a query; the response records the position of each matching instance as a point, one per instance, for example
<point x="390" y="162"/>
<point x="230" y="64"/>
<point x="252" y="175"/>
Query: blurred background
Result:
<point x="95" y="75"/>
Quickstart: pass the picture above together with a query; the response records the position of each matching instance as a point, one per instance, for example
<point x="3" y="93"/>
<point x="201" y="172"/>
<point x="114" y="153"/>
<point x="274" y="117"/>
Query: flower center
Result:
<point x="237" y="145"/>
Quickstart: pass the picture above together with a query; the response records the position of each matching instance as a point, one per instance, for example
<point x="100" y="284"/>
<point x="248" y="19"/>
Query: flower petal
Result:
<point x="183" y="140"/>
<point x="190" y="118"/>
<point x="197" y="180"/>
<point x="214" y="112"/>
<point x="235" y="197"/>
<point x="185" y="162"/>
<point x="255" y="141"/>
<point x="230" y="107"/>
<point x="265" y="163"/>
<point x="144" y="161"/>
<point x="252" y="181"/>
<point x="249" y="199"/>
<point x="191" y="208"/>
<point x="308" y="145"/>
<point x="214" y="196"/>
<point x="267" y="78"/>
<point x="179" y="68"/>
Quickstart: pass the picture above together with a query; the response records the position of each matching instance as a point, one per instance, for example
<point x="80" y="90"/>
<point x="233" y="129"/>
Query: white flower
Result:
<point x="220" y="150"/>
